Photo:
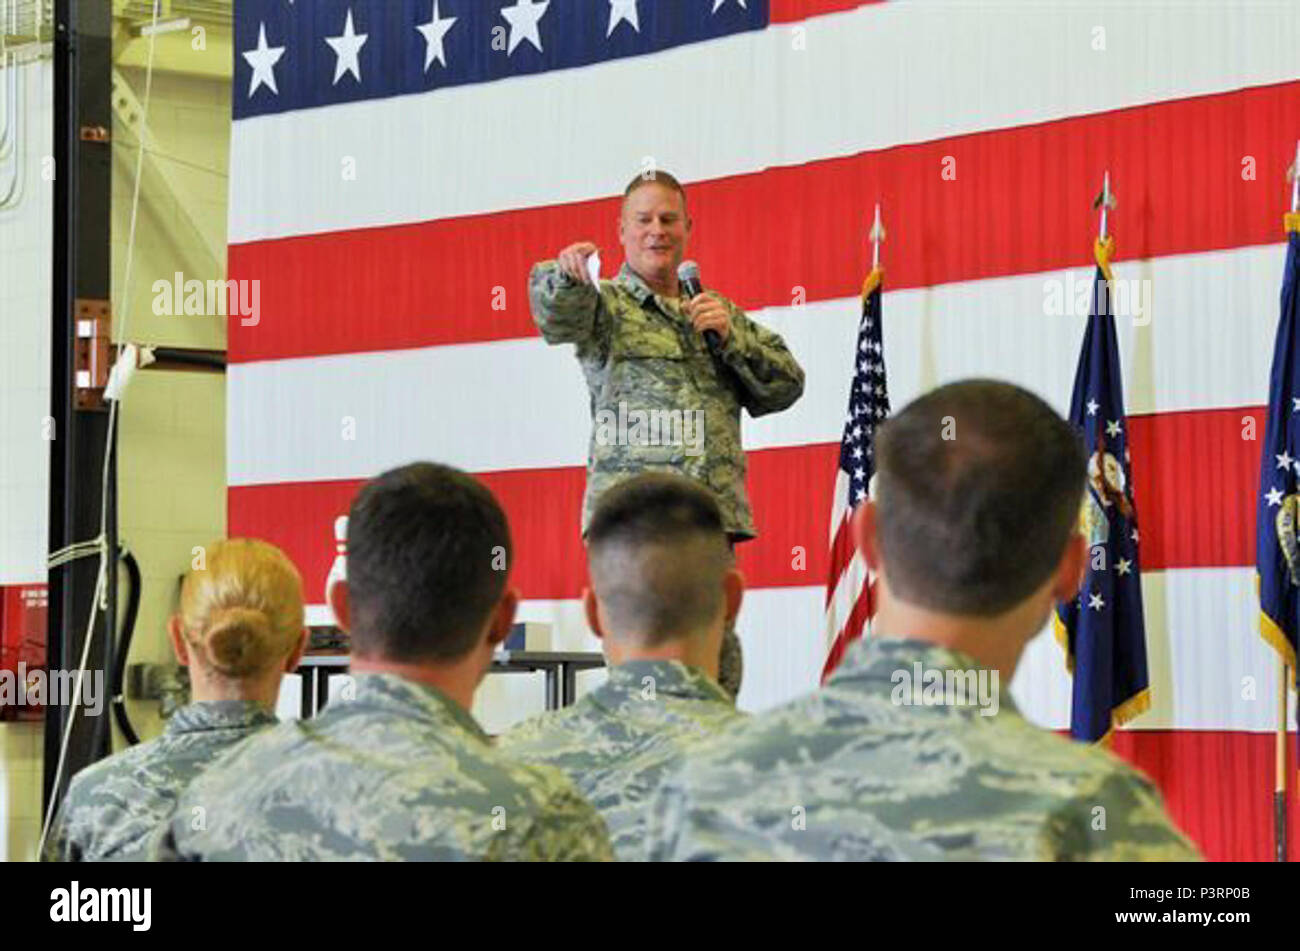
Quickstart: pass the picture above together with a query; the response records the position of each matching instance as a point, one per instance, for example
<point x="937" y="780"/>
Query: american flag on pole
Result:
<point x="850" y="587"/>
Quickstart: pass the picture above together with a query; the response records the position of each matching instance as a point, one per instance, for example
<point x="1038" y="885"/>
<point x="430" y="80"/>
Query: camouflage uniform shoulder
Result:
<point x="112" y="805"/>
<point x="1099" y="806"/>
<point x="399" y="772"/>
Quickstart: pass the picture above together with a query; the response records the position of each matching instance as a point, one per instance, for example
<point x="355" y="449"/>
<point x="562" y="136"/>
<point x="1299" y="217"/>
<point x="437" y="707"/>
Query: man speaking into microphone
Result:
<point x="654" y="353"/>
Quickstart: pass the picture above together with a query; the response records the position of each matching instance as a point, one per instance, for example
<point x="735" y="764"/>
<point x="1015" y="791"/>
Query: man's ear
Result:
<point x="1071" y="569"/>
<point x="295" y="656"/>
<point x="179" y="647"/>
<point x="340" y="603"/>
<point x="503" y="617"/>
<point x="864" y="526"/>
<point x="733" y="593"/>
<point x="592" y="610"/>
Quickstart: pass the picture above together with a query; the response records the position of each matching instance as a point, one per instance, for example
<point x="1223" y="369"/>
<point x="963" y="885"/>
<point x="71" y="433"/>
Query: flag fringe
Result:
<point x="1103" y="250"/>
<point x="1063" y="638"/>
<point x="1273" y="636"/>
<point x="872" y="282"/>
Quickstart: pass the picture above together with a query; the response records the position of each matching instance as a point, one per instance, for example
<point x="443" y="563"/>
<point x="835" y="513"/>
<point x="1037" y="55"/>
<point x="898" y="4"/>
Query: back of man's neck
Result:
<point x="456" y="680"/>
<point x="985" y="641"/>
<point x="685" y="651"/>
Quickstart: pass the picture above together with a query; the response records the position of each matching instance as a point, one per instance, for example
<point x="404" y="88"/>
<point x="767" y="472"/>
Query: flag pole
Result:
<point x="1280" y="784"/>
<point x="1105" y="201"/>
<point x="1105" y="204"/>
<point x="877" y="235"/>
<point x="1279" y="789"/>
<point x="1294" y="175"/>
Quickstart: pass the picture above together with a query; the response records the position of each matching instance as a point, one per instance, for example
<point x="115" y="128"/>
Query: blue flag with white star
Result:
<point x="1103" y="630"/>
<point x="1277" y="559"/>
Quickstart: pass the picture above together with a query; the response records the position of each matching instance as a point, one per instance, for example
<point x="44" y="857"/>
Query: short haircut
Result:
<point x="978" y="487"/>
<point x="655" y="177"/>
<point x="428" y="554"/>
<point x="657" y="553"/>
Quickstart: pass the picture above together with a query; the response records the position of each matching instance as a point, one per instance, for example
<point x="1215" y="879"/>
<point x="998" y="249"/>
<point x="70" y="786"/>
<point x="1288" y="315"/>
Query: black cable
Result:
<point x="117" y="686"/>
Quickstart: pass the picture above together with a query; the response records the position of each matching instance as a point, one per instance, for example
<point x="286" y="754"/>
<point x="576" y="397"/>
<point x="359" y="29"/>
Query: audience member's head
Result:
<point x="976" y="504"/>
<point x="428" y="558"/>
<point x="663" y="578"/>
<point x="240" y="623"/>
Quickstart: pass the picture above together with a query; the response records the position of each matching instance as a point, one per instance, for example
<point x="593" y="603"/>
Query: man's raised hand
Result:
<point x="573" y="260"/>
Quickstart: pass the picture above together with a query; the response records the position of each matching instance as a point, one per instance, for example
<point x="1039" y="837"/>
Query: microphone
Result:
<point x="688" y="275"/>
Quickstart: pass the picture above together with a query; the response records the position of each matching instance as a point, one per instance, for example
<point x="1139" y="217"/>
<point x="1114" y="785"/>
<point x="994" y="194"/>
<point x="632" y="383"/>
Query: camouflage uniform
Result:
<point x="639" y="352"/>
<point x="401" y="772"/>
<point x="113" y="805"/>
<point x="846" y="773"/>
<point x="617" y="741"/>
<point x="640" y="349"/>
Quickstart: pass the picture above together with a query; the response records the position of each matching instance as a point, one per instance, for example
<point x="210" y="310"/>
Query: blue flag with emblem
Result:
<point x="1103" y="630"/>
<point x="1277" y="559"/>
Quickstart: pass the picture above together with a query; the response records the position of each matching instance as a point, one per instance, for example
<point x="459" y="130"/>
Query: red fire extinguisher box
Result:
<point x="22" y="638"/>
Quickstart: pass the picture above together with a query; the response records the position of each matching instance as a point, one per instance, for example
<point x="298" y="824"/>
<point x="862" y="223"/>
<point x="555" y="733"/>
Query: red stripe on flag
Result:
<point x="1227" y="809"/>
<point x="1195" y="479"/>
<point x="788" y="492"/>
<point x="1195" y="483"/>
<point x="841" y="554"/>
<point x="863" y="608"/>
<point x="792" y="11"/>
<point x="436" y="282"/>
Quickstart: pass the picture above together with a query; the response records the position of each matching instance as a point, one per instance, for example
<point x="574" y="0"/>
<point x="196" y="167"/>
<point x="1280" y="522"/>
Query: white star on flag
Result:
<point x="1123" y="566"/>
<point x="433" y="32"/>
<point x="1095" y="602"/>
<point x="523" y="17"/>
<point x="263" y="60"/>
<point x="346" y="46"/>
<point x="1274" y="497"/>
<point x="620" y="10"/>
<point x="1093" y="406"/>
<point x="719" y="3"/>
<point x="1284" y="461"/>
<point x="1295" y="404"/>
<point x="1112" y="427"/>
<point x="1135" y="536"/>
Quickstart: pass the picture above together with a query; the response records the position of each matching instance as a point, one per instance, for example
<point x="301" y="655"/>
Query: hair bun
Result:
<point x="239" y="641"/>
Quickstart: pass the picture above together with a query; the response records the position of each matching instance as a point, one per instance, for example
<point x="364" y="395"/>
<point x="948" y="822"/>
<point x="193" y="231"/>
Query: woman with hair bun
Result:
<point x="239" y="629"/>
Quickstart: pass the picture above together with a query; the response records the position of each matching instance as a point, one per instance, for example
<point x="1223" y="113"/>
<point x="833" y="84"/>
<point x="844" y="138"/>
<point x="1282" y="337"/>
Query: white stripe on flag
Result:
<point x="519" y="404"/>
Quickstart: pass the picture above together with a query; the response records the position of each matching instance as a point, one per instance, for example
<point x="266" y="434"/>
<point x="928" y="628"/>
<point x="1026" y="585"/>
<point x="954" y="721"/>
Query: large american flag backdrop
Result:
<point x="397" y="165"/>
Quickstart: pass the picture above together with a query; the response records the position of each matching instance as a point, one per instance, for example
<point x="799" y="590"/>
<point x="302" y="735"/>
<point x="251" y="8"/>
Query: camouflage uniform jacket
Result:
<point x="848" y="773"/>
<point x="641" y="355"/>
<point x="617" y="741"/>
<point x="112" y="806"/>
<point x="401" y="772"/>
